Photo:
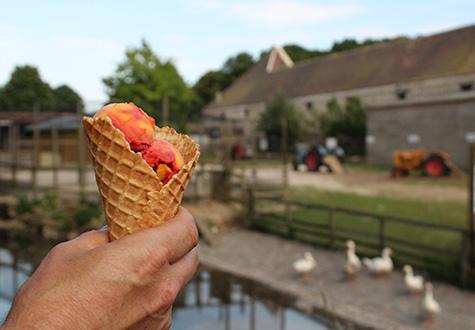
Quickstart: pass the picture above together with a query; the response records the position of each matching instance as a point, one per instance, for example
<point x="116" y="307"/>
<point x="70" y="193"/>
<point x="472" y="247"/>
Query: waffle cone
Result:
<point x="133" y="196"/>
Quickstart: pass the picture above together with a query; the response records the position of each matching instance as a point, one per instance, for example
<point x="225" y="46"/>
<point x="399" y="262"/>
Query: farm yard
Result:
<point x="307" y="181"/>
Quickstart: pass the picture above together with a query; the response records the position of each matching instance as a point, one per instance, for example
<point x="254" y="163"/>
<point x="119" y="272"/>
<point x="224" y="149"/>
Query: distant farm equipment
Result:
<point x="319" y="158"/>
<point x="432" y="164"/>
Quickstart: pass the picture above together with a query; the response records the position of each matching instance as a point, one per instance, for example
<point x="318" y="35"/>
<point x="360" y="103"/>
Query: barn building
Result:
<point x="419" y="93"/>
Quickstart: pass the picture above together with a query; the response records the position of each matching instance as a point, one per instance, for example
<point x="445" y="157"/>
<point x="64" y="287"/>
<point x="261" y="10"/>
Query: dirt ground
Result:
<point x="353" y="181"/>
<point x="373" y="183"/>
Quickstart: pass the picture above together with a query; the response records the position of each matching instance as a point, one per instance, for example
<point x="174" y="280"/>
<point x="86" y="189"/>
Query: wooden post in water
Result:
<point x="252" y="314"/>
<point x="81" y="151"/>
<point x="55" y="152"/>
<point x="282" y="318"/>
<point x="36" y="151"/>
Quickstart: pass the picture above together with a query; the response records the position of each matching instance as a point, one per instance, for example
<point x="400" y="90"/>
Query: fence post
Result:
<point x="251" y="206"/>
<point x="464" y="262"/>
<point x="382" y="225"/>
<point x="331" y="227"/>
<point x="81" y="151"/>
<point x="36" y="147"/>
<point x="14" y="152"/>
<point x="55" y="152"/>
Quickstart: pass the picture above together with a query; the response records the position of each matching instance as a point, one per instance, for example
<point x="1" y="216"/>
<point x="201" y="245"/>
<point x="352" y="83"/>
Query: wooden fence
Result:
<point x="438" y="249"/>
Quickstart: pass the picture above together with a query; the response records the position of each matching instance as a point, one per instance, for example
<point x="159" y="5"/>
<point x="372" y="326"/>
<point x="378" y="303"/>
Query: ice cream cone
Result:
<point x="133" y="196"/>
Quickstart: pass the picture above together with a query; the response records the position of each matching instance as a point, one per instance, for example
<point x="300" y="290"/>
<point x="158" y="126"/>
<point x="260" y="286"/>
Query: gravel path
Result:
<point x="370" y="303"/>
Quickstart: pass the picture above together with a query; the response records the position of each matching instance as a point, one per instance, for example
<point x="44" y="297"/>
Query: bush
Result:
<point x="347" y="124"/>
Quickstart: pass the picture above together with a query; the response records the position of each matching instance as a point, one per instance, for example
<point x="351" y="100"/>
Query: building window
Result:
<point x="238" y="131"/>
<point x="466" y="86"/>
<point x="222" y="116"/>
<point x="246" y="112"/>
<point x="309" y="105"/>
<point x="470" y="137"/>
<point x="402" y="94"/>
<point x="413" y="139"/>
<point x="214" y="132"/>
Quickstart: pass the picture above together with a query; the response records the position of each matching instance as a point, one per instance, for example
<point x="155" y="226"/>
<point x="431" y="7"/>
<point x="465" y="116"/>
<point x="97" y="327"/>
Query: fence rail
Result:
<point x="332" y="226"/>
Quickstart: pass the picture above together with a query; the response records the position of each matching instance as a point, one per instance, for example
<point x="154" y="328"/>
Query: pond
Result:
<point x="212" y="300"/>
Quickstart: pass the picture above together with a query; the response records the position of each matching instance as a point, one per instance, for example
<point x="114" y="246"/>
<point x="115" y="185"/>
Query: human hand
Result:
<point x="91" y="283"/>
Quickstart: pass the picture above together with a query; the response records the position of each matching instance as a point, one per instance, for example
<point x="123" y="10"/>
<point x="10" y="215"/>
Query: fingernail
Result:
<point x="104" y="228"/>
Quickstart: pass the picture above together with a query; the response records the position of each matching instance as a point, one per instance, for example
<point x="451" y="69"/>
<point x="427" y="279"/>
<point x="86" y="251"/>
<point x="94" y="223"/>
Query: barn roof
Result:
<point x="62" y="122"/>
<point x="24" y="117"/>
<point x="444" y="54"/>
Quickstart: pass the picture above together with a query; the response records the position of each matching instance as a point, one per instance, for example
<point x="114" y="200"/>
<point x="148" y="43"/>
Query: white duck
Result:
<point x="380" y="265"/>
<point x="430" y="307"/>
<point x="304" y="265"/>
<point x="353" y="263"/>
<point x="415" y="284"/>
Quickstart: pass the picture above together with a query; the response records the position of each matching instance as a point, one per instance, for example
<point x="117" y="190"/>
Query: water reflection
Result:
<point x="212" y="300"/>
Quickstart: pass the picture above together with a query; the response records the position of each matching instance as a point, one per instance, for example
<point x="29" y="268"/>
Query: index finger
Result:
<point x="172" y="239"/>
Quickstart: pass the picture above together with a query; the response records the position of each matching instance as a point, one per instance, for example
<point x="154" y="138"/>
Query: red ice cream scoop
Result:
<point x="139" y="131"/>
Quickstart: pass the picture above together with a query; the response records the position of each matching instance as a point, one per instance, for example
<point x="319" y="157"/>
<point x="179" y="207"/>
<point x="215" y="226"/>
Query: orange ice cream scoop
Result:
<point x="164" y="158"/>
<point x="138" y="128"/>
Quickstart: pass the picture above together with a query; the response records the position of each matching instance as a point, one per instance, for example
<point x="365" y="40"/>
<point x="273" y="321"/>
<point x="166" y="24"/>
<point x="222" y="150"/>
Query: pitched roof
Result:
<point x="443" y="54"/>
<point x="63" y="122"/>
<point x="24" y="117"/>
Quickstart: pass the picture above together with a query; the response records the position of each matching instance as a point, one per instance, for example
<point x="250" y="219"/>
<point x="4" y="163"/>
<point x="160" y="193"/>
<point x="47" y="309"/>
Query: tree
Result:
<point x="235" y="66"/>
<point x="207" y="87"/>
<point x="277" y="110"/>
<point x="145" y="79"/>
<point x="66" y="99"/>
<point x="3" y="100"/>
<point x="25" y="89"/>
<point x="345" y="44"/>
<point x="215" y="81"/>
<point x="347" y="124"/>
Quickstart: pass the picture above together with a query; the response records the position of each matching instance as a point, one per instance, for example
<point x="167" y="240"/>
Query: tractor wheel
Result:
<point x="398" y="172"/>
<point x="435" y="166"/>
<point x="311" y="160"/>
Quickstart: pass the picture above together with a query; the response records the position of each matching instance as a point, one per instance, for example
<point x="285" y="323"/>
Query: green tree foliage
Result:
<point x="277" y="110"/>
<point x="26" y="88"/>
<point x="236" y="66"/>
<point x="298" y="53"/>
<point x="66" y="99"/>
<point x="145" y="79"/>
<point x="212" y="82"/>
<point x="207" y="86"/>
<point x="347" y="123"/>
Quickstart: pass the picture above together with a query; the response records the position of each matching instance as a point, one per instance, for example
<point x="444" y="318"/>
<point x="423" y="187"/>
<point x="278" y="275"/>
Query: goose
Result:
<point x="353" y="263"/>
<point x="304" y="265"/>
<point x="380" y="265"/>
<point x="430" y="307"/>
<point x="415" y="284"/>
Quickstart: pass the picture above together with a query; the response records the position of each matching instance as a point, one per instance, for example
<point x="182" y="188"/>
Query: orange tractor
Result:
<point x="431" y="164"/>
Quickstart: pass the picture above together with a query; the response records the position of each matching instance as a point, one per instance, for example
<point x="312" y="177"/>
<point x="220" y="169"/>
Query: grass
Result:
<point x="444" y="264"/>
<point x="451" y="213"/>
<point x="415" y="177"/>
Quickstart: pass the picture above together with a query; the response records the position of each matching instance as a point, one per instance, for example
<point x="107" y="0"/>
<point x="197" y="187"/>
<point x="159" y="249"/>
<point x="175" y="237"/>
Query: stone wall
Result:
<point x="448" y="126"/>
<point x="435" y="93"/>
